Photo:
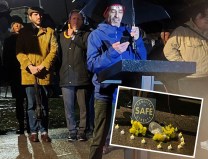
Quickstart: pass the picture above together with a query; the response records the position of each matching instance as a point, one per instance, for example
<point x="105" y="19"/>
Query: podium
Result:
<point x="129" y="71"/>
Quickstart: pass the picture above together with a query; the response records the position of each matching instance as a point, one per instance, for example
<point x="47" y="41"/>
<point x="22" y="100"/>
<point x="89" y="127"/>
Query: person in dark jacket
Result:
<point x="13" y="72"/>
<point x="74" y="76"/>
<point x="104" y="50"/>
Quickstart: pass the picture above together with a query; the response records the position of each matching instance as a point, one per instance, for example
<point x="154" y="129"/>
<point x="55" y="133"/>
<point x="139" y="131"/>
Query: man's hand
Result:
<point x="135" y="32"/>
<point x="40" y="68"/>
<point x="71" y="30"/>
<point x="120" y="47"/>
<point x="33" y="69"/>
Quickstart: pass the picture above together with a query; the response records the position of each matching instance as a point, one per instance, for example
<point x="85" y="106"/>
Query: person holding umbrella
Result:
<point x="36" y="50"/>
<point x="108" y="44"/>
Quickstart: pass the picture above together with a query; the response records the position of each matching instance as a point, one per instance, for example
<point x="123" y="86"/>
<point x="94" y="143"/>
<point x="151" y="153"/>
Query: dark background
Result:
<point x="59" y="9"/>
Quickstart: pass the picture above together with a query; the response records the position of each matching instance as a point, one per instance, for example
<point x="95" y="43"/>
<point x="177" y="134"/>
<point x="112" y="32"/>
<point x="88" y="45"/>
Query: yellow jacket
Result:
<point x="35" y="49"/>
<point x="186" y="45"/>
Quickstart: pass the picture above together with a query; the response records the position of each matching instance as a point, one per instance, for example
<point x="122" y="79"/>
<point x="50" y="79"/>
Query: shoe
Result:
<point x="45" y="137"/>
<point x="81" y="137"/>
<point x="72" y="137"/>
<point x="34" y="137"/>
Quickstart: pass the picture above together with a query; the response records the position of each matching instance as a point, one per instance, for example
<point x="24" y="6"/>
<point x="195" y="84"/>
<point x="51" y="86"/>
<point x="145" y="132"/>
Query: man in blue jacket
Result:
<point x="105" y="49"/>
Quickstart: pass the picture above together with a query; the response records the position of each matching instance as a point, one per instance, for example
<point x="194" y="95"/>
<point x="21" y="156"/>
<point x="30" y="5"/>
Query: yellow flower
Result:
<point x="144" y="130"/>
<point x="137" y="128"/>
<point x="136" y="125"/>
<point x="137" y="132"/>
<point x="159" y="137"/>
<point x="132" y="130"/>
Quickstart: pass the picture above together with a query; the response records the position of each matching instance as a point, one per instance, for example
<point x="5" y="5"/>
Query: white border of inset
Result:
<point x="134" y="148"/>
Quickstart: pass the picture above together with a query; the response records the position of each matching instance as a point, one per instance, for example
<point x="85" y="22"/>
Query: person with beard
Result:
<point x="36" y="50"/>
<point x="105" y="49"/>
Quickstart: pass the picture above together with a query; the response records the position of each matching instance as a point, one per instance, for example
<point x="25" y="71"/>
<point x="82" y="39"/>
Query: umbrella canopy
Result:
<point x="4" y="6"/>
<point x="137" y="10"/>
<point x="144" y="12"/>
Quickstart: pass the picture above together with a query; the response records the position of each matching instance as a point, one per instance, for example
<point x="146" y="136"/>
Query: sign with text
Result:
<point x="143" y="109"/>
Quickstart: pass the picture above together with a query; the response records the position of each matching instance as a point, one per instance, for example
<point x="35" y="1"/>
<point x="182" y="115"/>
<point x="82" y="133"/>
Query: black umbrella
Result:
<point x="136" y="12"/>
<point x="142" y="12"/>
<point x="4" y="6"/>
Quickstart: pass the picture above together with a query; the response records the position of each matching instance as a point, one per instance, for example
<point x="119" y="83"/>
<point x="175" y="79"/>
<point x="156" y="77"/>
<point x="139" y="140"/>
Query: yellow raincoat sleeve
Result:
<point x="50" y="58"/>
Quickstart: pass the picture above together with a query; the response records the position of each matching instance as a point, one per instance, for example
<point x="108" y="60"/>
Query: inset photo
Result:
<point x="156" y="121"/>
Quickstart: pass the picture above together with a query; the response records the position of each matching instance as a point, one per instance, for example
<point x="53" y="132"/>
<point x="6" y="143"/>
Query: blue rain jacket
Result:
<point x="101" y="55"/>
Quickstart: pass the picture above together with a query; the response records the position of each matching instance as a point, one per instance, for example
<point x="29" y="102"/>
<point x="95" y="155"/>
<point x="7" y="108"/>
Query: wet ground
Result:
<point x="13" y="146"/>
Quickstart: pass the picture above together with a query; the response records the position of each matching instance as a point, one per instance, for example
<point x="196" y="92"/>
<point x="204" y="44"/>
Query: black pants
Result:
<point x="103" y="111"/>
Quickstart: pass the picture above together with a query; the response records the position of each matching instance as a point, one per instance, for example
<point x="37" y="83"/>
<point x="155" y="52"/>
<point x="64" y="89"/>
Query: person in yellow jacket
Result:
<point x="36" y="50"/>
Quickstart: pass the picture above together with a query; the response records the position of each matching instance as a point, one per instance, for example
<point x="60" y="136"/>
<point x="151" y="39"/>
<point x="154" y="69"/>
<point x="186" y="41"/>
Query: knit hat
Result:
<point x="16" y="19"/>
<point x="112" y="3"/>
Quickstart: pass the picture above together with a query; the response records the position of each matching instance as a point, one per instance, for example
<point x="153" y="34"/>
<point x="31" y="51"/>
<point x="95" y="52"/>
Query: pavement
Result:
<point x="13" y="146"/>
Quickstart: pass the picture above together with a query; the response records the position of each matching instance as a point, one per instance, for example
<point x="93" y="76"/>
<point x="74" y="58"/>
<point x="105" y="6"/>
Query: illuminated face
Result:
<point x="76" y="20"/>
<point x="115" y="15"/>
<point x="16" y="27"/>
<point x="36" y="18"/>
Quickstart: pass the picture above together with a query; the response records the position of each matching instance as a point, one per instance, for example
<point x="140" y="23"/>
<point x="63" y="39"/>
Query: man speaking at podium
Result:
<point x="108" y="44"/>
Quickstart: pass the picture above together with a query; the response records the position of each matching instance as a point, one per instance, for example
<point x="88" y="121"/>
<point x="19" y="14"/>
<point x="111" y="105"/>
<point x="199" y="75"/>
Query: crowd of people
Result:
<point x="31" y="51"/>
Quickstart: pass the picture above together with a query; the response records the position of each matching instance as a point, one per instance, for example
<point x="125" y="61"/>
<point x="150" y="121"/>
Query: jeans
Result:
<point x="103" y="111"/>
<point x="90" y="112"/>
<point x="69" y="94"/>
<point x="35" y="124"/>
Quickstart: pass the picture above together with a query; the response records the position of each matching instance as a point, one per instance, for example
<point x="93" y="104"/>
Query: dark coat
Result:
<point x="73" y="70"/>
<point x="12" y="66"/>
